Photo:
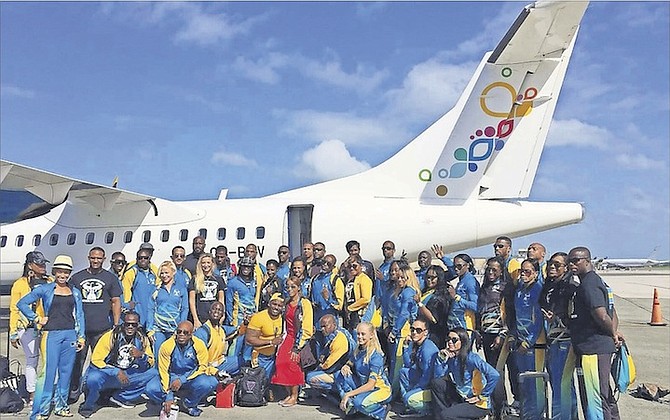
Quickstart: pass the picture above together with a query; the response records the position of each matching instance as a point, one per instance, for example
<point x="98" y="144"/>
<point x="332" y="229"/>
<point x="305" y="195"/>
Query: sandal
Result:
<point x="285" y="404"/>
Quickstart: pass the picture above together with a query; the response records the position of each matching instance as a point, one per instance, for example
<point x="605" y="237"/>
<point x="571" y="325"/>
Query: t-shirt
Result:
<point x="210" y="294"/>
<point x="97" y="291"/>
<point x="587" y="336"/>
<point x="269" y="328"/>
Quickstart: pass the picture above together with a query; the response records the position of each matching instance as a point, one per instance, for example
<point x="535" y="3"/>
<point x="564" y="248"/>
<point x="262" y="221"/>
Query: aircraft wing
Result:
<point x="55" y="189"/>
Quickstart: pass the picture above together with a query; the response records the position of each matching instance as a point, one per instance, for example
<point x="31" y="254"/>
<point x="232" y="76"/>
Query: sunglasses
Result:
<point x="122" y="262"/>
<point x="354" y="266"/>
<point x="429" y="277"/>
<point x="179" y="255"/>
<point x="143" y="257"/>
<point x="283" y="252"/>
<point x="387" y="248"/>
<point x="555" y="264"/>
<point x="575" y="260"/>
<point x="459" y="266"/>
<point x="319" y="249"/>
<point x="499" y="246"/>
<point x="131" y="324"/>
<point x="527" y="271"/>
<point x="453" y="340"/>
<point x="183" y="332"/>
<point x="416" y="330"/>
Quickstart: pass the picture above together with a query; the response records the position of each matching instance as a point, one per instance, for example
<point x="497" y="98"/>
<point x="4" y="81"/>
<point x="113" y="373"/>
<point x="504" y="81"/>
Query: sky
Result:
<point x="180" y="100"/>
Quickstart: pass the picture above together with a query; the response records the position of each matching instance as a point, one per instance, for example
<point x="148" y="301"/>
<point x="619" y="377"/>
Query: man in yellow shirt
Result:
<point x="265" y="333"/>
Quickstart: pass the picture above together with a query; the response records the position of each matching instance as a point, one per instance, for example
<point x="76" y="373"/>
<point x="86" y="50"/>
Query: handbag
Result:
<point x="623" y="368"/>
<point x="16" y="381"/>
<point x="307" y="359"/>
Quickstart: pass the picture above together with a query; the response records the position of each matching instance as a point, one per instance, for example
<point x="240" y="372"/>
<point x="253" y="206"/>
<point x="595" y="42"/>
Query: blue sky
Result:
<point x="182" y="99"/>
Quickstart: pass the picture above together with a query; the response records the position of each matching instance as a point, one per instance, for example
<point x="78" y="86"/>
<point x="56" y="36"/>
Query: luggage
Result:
<point x="225" y="395"/>
<point x="251" y="387"/>
<point x="534" y="376"/>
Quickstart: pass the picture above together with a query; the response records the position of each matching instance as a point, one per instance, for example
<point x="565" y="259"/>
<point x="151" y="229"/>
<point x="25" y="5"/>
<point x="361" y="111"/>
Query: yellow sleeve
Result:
<point x="307" y="322"/>
<point x="364" y="289"/>
<point x="338" y="289"/>
<point x="256" y="322"/>
<point x="127" y="283"/>
<point x="149" y="352"/>
<point x="202" y="354"/>
<point x="164" y="360"/>
<point x="102" y="350"/>
<point x="258" y="275"/>
<point x="338" y="348"/>
<point x="18" y="290"/>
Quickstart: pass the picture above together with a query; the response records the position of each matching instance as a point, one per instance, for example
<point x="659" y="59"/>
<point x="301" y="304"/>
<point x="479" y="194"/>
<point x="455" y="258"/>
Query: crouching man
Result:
<point x="182" y="367"/>
<point x="122" y="363"/>
<point x="333" y="346"/>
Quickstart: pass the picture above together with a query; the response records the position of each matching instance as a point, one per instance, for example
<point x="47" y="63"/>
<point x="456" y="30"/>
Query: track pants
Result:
<point x="373" y="403"/>
<point x="192" y="391"/>
<point x="98" y="380"/>
<point x="448" y="403"/>
<point x="561" y="369"/>
<point x="597" y="397"/>
<point x="414" y="398"/>
<point x="57" y="354"/>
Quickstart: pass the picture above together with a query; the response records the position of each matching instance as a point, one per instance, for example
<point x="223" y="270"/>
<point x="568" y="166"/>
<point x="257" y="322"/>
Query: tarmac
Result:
<point x="633" y="291"/>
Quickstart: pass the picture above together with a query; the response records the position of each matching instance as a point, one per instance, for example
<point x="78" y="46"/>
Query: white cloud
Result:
<point x="573" y="132"/>
<point x="350" y="129"/>
<point x="16" y="92"/>
<point x="263" y="70"/>
<point x="232" y="159"/>
<point x="638" y="161"/>
<point x="330" y="159"/>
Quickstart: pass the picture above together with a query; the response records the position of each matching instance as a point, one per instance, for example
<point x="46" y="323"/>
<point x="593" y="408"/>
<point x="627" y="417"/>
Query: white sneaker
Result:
<point x="120" y="403"/>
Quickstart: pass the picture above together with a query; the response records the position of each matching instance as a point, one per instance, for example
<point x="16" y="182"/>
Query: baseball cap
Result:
<point x="276" y="296"/>
<point x="147" y="245"/>
<point x="249" y="262"/>
<point x="36" y="257"/>
<point x="63" y="262"/>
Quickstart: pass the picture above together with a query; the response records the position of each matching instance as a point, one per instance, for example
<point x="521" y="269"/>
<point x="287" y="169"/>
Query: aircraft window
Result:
<point x="53" y="239"/>
<point x="240" y="233"/>
<point x="260" y="232"/>
<point x="146" y="236"/>
<point x="37" y="240"/>
<point x="3" y="241"/>
<point x="127" y="236"/>
<point x="183" y="235"/>
<point x="109" y="237"/>
<point x="165" y="236"/>
<point x="221" y="234"/>
<point x="71" y="238"/>
<point x="19" y="240"/>
<point x="90" y="237"/>
<point x="203" y="232"/>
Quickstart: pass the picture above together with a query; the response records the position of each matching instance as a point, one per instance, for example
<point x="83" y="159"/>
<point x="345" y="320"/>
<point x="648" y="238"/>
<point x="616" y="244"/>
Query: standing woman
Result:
<point x="464" y="309"/>
<point x="20" y="329"/>
<point x="168" y="306"/>
<point x="362" y="382"/>
<point x="463" y="381"/>
<point x="299" y="327"/>
<point x="529" y="337"/>
<point x="557" y="291"/>
<point x="205" y="288"/>
<point x="403" y="309"/>
<point x="357" y="294"/>
<point x="62" y="336"/>
<point x="435" y="304"/>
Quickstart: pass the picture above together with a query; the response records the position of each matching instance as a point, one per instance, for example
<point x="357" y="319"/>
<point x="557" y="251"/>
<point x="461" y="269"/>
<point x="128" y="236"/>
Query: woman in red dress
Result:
<point x="299" y="327"/>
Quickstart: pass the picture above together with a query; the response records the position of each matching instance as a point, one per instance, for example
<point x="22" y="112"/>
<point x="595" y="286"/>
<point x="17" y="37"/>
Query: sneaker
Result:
<point x="193" y="411"/>
<point x="409" y="413"/>
<point x="120" y="403"/>
<point x="85" y="412"/>
<point x="514" y="409"/>
<point x="64" y="412"/>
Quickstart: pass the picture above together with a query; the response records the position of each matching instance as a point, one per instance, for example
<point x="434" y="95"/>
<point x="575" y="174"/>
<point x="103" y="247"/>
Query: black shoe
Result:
<point x="85" y="412"/>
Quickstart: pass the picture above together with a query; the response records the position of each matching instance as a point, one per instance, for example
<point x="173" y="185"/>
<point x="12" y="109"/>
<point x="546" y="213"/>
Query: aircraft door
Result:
<point x="298" y="228"/>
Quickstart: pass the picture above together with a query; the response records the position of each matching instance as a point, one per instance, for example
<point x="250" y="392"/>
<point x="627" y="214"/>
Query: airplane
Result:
<point x="606" y="263"/>
<point x="461" y="183"/>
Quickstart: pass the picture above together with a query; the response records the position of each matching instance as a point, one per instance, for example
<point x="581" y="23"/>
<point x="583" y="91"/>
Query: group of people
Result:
<point x="375" y="334"/>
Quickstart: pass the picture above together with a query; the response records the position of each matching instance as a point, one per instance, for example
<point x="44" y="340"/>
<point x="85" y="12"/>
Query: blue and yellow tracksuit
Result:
<point x="373" y="403"/>
<point x="333" y="305"/>
<point x="415" y="376"/>
<point x="138" y="287"/>
<point x="384" y="289"/>
<point x="189" y="364"/>
<point x="111" y="355"/>
<point x="214" y="338"/>
<point x="242" y="299"/>
<point x="403" y="311"/>
<point x="166" y="309"/>
<point x="57" y="350"/>
<point x="478" y="379"/>
<point x="529" y="335"/>
<point x="555" y="297"/>
<point x="464" y="308"/>
<point x="334" y="351"/>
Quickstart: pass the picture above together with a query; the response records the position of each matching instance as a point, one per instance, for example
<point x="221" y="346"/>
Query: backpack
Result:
<point x="10" y="401"/>
<point x="623" y="369"/>
<point x="251" y="387"/>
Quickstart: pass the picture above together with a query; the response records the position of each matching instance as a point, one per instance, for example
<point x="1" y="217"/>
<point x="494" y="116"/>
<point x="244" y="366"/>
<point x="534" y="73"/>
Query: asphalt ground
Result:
<point x="633" y="291"/>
